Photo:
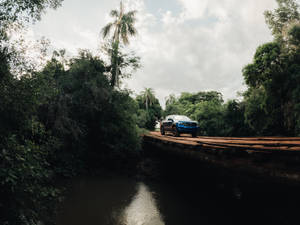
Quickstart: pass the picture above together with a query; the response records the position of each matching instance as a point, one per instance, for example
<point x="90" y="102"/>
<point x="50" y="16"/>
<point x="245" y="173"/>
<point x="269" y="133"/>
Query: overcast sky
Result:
<point x="184" y="45"/>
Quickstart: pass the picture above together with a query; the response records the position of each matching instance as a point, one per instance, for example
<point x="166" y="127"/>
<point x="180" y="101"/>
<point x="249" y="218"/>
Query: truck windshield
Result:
<point x="182" y="118"/>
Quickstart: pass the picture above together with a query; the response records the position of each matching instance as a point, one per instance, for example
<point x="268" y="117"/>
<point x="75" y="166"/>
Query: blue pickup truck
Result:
<point x="179" y="124"/>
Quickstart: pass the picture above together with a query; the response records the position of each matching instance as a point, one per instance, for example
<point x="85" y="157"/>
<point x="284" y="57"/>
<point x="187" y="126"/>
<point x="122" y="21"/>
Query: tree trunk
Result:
<point x="115" y="64"/>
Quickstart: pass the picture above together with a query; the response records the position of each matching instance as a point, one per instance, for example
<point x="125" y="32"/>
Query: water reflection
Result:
<point x="142" y="210"/>
<point x="110" y="202"/>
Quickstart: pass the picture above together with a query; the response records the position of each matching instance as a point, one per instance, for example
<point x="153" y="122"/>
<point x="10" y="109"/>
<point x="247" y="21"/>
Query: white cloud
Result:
<point x="202" y="47"/>
<point x="185" y="53"/>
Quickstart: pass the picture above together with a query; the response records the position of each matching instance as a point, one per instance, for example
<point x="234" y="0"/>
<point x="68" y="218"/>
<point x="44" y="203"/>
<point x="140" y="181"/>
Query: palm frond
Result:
<point x="129" y="17"/>
<point x="148" y="96"/>
<point x="123" y="25"/>
<point x="131" y="29"/>
<point x="124" y="34"/>
<point x="105" y="30"/>
<point x="131" y="14"/>
<point x="114" y="13"/>
<point x="126" y="20"/>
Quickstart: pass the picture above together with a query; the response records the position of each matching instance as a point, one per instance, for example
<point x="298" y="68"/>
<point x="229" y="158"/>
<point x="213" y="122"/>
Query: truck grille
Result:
<point x="189" y="124"/>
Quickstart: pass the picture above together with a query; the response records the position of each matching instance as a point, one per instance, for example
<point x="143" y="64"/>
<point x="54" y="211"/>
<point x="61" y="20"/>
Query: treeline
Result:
<point x="214" y="117"/>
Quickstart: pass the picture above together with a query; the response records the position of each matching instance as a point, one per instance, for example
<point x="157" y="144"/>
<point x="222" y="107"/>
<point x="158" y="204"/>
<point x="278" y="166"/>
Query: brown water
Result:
<point x="112" y="201"/>
<point x="180" y="193"/>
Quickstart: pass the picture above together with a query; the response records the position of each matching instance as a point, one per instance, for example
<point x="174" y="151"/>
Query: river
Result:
<point x="176" y="192"/>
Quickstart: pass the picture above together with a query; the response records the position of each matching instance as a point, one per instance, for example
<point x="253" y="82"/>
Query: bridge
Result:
<point x="268" y="157"/>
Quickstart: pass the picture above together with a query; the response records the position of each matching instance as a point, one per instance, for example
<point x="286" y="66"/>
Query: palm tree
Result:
<point x="148" y="97"/>
<point x="123" y="28"/>
<point x="171" y="99"/>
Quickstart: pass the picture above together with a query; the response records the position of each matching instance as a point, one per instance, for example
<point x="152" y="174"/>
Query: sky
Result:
<point x="184" y="45"/>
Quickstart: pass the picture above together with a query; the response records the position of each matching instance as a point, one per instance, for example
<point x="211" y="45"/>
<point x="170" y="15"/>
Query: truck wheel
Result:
<point x="176" y="132"/>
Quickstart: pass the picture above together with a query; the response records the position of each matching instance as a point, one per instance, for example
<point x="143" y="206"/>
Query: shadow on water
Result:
<point x="177" y="191"/>
<point x="190" y="192"/>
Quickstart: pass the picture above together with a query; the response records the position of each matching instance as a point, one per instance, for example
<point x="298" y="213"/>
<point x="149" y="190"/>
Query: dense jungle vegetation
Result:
<point x="71" y="117"/>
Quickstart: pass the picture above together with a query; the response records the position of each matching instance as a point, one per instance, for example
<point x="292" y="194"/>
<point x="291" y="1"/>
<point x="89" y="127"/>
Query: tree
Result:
<point x="273" y="96"/>
<point x="294" y="34"/>
<point x="149" y="109"/>
<point x="123" y="28"/>
<point x="171" y="99"/>
<point x="172" y="106"/>
<point x="127" y="62"/>
<point x="234" y="119"/>
<point x="148" y="97"/>
<point x="282" y="18"/>
<point x="210" y="117"/>
<point x="12" y="12"/>
<point x="87" y="113"/>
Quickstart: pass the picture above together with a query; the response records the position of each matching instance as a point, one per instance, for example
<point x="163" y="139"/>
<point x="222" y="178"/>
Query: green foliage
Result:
<point x="209" y="115"/>
<point x="271" y="80"/>
<point x="255" y="113"/>
<point x="59" y="123"/>
<point x="18" y="12"/>
<point x="95" y="121"/>
<point x="25" y="144"/>
<point x="149" y="109"/>
<point x="25" y="147"/>
<point x="294" y="34"/>
<point x="201" y="97"/>
<point x="26" y="181"/>
<point x="122" y="65"/>
<point x="142" y="118"/>
<point x="281" y="18"/>
<point x="273" y="95"/>
<point x="266" y="62"/>
<point x="234" y="119"/>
